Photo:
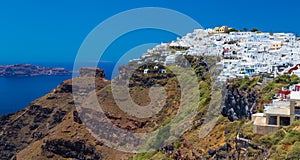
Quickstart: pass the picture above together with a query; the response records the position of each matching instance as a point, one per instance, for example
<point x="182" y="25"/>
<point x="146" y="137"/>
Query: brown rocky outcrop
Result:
<point x="91" y="72"/>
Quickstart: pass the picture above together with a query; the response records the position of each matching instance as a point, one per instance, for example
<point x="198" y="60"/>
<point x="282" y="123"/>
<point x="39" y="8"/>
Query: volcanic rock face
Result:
<point x="92" y="72"/>
<point x="239" y="104"/>
<point x="68" y="149"/>
<point x="50" y="128"/>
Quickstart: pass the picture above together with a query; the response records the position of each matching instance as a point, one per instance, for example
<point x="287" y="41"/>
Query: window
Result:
<point x="285" y="121"/>
<point x="273" y="120"/>
<point x="297" y="110"/>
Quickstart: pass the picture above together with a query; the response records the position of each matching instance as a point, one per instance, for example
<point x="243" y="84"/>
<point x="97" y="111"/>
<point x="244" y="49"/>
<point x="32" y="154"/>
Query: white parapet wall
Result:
<point x="295" y="95"/>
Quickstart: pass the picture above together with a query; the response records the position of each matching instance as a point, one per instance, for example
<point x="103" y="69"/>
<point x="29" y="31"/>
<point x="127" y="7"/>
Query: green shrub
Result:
<point x="144" y="156"/>
<point x="279" y="153"/>
<point x="296" y="123"/>
<point x="272" y="139"/>
<point x="295" y="151"/>
<point x="177" y="144"/>
<point x="292" y="137"/>
<point x="260" y="110"/>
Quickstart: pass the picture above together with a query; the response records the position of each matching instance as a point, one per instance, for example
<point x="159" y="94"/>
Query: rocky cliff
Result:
<point x="50" y="127"/>
<point x="239" y="104"/>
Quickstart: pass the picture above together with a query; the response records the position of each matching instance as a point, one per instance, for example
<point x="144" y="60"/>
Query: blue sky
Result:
<point x="53" y="30"/>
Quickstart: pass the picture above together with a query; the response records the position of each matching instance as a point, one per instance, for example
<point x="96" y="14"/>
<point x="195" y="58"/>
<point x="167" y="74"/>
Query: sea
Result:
<point x="16" y="93"/>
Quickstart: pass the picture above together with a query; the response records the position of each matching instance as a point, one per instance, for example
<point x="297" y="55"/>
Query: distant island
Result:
<point x="28" y="70"/>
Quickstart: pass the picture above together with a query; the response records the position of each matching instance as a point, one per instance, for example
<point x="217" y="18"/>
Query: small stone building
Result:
<point x="279" y="114"/>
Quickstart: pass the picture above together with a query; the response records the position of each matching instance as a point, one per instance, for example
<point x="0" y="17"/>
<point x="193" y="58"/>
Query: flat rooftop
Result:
<point x="278" y="111"/>
<point x="258" y="115"/>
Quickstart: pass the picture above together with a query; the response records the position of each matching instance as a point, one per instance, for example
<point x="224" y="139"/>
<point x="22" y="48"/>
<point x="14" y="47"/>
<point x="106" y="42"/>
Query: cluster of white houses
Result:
<point x="243" y="53"/>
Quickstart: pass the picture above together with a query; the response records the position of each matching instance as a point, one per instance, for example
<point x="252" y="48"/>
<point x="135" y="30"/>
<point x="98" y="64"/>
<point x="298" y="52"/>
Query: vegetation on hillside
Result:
<point x="268" y="90"/>
<point x="272" y="87"/>
<point x="282" y="144"/>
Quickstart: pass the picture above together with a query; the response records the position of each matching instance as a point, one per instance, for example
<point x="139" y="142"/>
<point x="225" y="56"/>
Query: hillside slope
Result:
<point x="50" y="127"/>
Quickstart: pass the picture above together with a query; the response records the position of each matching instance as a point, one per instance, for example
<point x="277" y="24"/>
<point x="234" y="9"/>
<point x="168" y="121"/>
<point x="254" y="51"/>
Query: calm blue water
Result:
<point x="16" y="93"/>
